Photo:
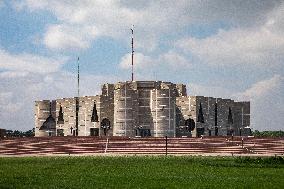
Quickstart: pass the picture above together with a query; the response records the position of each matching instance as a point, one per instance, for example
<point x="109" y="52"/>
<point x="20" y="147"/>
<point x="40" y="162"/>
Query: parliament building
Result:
<point x="142" y="109"/>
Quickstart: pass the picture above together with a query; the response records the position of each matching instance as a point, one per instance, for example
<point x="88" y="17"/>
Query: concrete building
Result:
<point x="142" y="108"/>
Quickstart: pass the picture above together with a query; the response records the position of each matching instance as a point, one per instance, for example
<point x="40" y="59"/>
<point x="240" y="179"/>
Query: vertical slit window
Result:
<point x="95" y="117"/>
<point x="60" y="116"/>
<point x="230" y="116"/>
<point x="200" y="114"/>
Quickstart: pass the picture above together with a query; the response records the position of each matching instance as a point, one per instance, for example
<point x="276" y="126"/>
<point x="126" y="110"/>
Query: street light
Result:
<point x="241" y="128"/>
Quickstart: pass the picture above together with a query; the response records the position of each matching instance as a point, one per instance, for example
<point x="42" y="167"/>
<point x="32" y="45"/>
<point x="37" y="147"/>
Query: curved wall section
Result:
<point x="125" y="109"/>
<point x="163" y="112"/>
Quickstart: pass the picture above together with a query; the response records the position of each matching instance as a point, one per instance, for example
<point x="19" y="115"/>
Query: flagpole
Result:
<point x="77" y="99"/>
<point x="132" y="52"/>
<point x="78" y="78"/>
<point x="85" y="121"/>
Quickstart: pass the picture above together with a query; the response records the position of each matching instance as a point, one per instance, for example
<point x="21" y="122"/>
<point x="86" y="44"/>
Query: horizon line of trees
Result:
<point x="257" y="133"/>
<point x="31" y="133"/>
<point x="17" y="133"/>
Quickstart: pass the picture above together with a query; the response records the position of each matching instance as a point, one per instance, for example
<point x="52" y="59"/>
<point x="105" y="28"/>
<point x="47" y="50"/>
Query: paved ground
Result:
<point x="208" y="146"/>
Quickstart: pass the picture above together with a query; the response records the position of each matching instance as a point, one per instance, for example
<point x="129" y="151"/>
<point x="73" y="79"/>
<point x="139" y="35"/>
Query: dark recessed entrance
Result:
<point x="60" y="132"/>
<point x="216" y="131"/>
<point x="200" y="131"/>
<point x="143" y="132"/>
<point x="105" y="125"/>
<point x="94" y="131"/>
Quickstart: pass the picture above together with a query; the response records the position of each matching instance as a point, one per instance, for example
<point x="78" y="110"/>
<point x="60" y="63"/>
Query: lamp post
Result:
<point x="216" y="130"/>
<point x="139" y="128"/>
<point x="241" y="128"/>
<point x="166" y="145"/>
<point x="106" y="127"/>
<point x="232" y="133"/>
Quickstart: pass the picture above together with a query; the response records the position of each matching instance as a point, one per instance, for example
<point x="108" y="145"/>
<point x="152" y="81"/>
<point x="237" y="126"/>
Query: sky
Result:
<point x="221" y="48"/>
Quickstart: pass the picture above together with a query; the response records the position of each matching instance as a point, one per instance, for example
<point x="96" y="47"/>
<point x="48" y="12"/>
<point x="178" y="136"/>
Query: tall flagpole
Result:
<point x="77" y="100"/>
<point x="132" y="53"/>
<point x="78" y="77"/>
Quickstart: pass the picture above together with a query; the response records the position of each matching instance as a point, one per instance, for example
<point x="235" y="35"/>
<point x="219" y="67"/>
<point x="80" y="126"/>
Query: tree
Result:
<point x="268" y="133"/>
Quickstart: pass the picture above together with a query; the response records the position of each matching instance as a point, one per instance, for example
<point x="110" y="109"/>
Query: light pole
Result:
<point x="241" y="128"/>
<point x="166" y="145"/>
<point x="85" y="122"/>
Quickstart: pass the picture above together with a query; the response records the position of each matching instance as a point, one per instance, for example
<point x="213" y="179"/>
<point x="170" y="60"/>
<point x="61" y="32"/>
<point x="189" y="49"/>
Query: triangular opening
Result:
<point x="95" y="117"/>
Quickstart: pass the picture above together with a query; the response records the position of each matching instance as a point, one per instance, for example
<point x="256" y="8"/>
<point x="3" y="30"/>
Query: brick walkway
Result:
<point x="212" y="146"/>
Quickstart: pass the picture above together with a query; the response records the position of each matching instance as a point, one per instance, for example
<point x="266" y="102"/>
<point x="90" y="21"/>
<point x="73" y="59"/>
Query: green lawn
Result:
<point x="141" y="172"/>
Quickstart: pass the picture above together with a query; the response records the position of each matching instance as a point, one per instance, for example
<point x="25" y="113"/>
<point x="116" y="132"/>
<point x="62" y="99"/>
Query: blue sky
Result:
<point x="229" y="49"/>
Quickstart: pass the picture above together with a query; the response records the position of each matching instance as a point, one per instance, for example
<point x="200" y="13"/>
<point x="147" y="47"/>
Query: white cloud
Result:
<point x="174" y="60"/>
<point x="28" y="63"/>
<point x="258" y="47"/>
<point x="8" y="105"/>
<point x="13" y="74"/>
<point x="170" y="59"/>
<point x="263" y="88"/>
<point x="151" y="18"/>
<point x="204" y="90"/>
<point x="67" y="37"/>
<point x="32" y="5"/>
<point x="267" y="103"/>
<point x="275" y="20"/>
<point x="23" y="78"/>
<point x="140" y="61"/>
<point x="2" y="4"/>
<point x="256" y="44"/>
<point x="17" y="102"/>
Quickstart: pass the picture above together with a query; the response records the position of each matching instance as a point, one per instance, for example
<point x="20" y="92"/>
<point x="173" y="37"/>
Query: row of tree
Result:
<point x="31" y="133"/>
<point x="268" y="133"/>
<point x="17" y="133"/>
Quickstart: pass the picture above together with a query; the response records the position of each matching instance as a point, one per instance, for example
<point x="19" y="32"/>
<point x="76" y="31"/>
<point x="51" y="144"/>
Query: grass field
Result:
<point x="141" y="172"/>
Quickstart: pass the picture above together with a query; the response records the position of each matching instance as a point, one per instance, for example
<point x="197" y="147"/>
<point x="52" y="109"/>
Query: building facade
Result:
<point x="144" y="109"/>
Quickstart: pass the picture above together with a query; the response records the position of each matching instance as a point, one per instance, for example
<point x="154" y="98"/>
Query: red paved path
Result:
<point x="38" y="146"/>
